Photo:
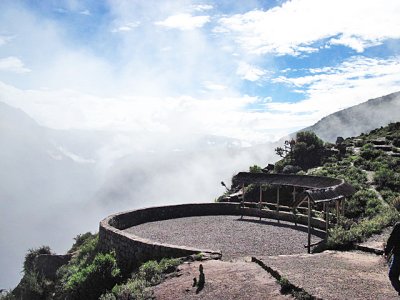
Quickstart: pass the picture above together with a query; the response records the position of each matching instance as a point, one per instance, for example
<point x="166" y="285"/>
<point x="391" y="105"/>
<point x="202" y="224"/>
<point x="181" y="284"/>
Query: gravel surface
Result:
<point x="234" y="237"/>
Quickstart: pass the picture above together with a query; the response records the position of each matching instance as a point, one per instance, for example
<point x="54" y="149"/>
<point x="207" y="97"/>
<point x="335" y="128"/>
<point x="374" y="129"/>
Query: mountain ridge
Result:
<point x="358" y="119"/>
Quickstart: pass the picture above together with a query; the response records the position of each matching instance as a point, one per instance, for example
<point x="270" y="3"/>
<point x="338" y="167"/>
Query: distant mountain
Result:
<point x="359" y="119"/>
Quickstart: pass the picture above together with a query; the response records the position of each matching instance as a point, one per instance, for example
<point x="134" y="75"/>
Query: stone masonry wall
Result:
<point x="132" y="250"/>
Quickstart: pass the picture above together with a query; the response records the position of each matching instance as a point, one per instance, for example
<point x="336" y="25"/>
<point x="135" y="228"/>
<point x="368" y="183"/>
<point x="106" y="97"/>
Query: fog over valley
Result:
<point x="57" y="184"/>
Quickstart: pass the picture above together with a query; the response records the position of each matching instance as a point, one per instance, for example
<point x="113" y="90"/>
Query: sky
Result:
<point x="248" y="70"/>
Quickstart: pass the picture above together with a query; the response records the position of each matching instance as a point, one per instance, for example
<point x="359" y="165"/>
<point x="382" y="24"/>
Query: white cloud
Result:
<point x="4" y="39"/>
<point x="249" y="72"/>
<point x="330" y="89"/>
<point x="176" y="117"/>
<point x="85" y="12"/>
<point x="214" y="86"/>
<point x="184" y="22"/>
<point x="13" y="64"/>
<point x="202" y="7"/>
<point x="293" y="27"/>
<point x="126" y="27"/>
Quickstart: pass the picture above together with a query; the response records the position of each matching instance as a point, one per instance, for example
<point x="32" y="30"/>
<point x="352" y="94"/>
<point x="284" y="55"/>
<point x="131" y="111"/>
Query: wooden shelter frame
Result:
<point x="317" y="189"/>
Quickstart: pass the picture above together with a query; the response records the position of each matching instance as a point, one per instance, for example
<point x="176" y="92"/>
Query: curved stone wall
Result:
<point x="132" y="250"/>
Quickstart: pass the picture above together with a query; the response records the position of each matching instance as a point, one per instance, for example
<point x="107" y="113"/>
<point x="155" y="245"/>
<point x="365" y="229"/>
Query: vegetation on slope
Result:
<point x="90" y="274"/>
<point x="370" y="162"/>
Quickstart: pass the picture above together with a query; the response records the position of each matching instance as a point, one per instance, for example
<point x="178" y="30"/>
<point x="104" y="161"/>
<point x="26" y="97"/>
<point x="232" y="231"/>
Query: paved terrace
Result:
<point x="233" y="236"/>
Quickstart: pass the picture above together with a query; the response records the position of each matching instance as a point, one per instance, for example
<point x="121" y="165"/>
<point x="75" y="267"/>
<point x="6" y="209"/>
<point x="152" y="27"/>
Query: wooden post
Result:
<point x="241" y="217"/>
<point x="337" y="209"/>
<point x="343" y="205"/>
<point x="309" y="224"/>
<point x="260" y="201"/>
<point x="277" y="204"/>
<point x="294" y="200"/>
<point x="326" y="209"/>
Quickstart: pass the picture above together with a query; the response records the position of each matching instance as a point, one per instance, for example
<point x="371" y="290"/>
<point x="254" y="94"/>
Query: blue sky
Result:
<point x="249" y="70"/>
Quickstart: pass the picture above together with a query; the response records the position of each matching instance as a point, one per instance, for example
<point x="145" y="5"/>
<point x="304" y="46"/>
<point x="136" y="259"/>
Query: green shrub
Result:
<point x="396" y="203"/>
<point x="365" y="202"/>
<point x="33" y="287"/>
<point x="255" y="169"/>
<point x="285" y="284"/>
<point x="149" y="273"/>
<point x="7" y="295"/>
<point x="81" y="240"/>
<point x="93" y="280"/>
<point x="368" y="152"/>
<point x="31" y="256"/>
<point x="152" y="271"/>
<point x="373" y="207"/>
<point x="340" y="237"/>
<point x="387" y="178"/>
<point x="389" y="195"/>
<point x="136" y="288"/>
<point x="279" y="165"/>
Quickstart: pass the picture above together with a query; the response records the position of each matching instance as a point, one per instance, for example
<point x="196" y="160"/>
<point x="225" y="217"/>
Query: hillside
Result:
<point x="360" y="118"/>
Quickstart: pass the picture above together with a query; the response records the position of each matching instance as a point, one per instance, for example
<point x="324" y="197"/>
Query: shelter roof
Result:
<point x="317" y="187"/>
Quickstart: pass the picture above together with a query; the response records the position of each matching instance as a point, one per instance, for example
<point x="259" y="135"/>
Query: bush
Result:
<point x="7" y="295"/>
<point x="368" y="152"/>
<point x="363" y="203"/>
<point x="396" y="203"/>
<point x="95" y="279"/>
<point x="308" y="150"/>
<point x="80" y="240"/>
<point x="279" y="165"/>
<point x="29" y="263"/>
<point x="389" y="196"/>
<point x="387" y="178"/>
<point x="340" y="237"/>
<point x="255" y="169"/>
<point x="289" y="169"/>
<point x="135" y="289"/>
<point x="152" y="271"/>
